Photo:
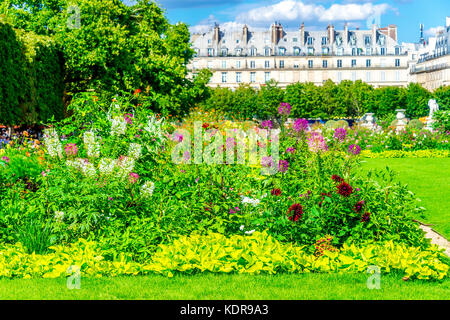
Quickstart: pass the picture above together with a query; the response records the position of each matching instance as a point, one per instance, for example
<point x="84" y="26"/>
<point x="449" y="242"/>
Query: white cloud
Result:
<point x="290" y="10"/>
<point x="432" y="31"/>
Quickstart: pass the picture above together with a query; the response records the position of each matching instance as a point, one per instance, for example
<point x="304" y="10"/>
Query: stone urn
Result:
<point x="401" y="119"/>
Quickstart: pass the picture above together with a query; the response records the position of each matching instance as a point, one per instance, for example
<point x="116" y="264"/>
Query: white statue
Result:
<point x="433" y="107"/>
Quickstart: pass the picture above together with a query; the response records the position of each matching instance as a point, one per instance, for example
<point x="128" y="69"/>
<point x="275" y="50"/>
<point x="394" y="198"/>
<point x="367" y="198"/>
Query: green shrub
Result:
<point x="341" y="124"/>
<point x="442" y="120"/>
<point x="330" y="124"/>
<point x="415" y="124"/>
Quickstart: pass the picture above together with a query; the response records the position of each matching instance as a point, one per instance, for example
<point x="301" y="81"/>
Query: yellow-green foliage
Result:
<point x="406" y="154"/>
<point x="262" y="253"/>
<point x="258" y="253"/>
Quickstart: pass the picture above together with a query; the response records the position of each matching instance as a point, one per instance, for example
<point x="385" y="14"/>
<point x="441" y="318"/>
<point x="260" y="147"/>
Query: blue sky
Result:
<point x="407" y="14"/>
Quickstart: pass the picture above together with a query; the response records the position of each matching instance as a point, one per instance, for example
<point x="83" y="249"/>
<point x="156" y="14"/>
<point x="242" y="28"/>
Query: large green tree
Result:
<point x="109" y="46"/>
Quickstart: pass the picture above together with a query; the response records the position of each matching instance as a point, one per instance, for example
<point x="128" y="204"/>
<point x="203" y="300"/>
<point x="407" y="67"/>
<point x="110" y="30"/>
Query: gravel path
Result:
<point x="436" y="238"/>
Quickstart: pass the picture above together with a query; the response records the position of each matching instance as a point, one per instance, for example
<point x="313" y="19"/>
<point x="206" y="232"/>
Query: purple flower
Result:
<point x="340" y="134"/>
<point x="128" y="118"/>
<point x="177" y="137"/>
<point x="290" y="150"/>
<point x="300" y="125"/>
<point x="71" y="149"/>
<point x="354" y="149"/>
<point x="133" y="177"/>
<point x="316" y="143"/>
<point x="267" y="124"/>
<point x="267" y="161"/>
<point x="284" y="109"/>
<point x="6" y="159"/>
<point x="283" y="165"/>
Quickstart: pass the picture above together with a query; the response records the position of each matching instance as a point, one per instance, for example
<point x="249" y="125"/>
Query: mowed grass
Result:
<point x="429" y="179"/>
<point x="228" y="287"/>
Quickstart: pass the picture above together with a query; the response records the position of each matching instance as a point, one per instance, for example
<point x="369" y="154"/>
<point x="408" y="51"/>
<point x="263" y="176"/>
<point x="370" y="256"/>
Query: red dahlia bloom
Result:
<point x="344" y="189"/>
<point x="359" y="206"/>
<point x="275" y="192"/>
<point x="295" y="212"/>
<point x="365" y="217"/>
<point x="337" y="179"/>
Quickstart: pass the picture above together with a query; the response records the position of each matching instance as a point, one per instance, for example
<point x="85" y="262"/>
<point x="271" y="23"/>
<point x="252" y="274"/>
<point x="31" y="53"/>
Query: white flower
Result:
<point x="249" y="232"/>
<point x="254" y="202"/>
<point x="125" y="166"/>
<point x="147" y="189"/>
<point x="52" y="143"/>
<point x="135" y="151"/>
<point x="59" y="216"/>
<point x="242" y="228"/>
<point x="106" y="166"/>
<point x="118" y="126"/>
<point x="91" y="145"/>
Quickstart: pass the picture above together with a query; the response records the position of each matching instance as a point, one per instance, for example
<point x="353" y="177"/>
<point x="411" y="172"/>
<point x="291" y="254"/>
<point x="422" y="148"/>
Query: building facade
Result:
<point x="255" y="57"/>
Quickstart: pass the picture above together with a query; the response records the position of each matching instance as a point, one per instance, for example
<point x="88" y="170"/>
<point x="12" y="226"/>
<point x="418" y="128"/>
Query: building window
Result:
<point x="310" y="51"/>
<point x="296" y="51"/>
<point x="238" y="51"/>
<point x="397" y="62"/>
<point x="253" y="51"/>
<point x="238" y="77"/>
<point x="237" y="41"/>
<point x="266" y="64"/>
<point x="296" y="64"/>
<point x="353" y="76"/>
<point x="325" y="63"/>
<point x="340" y="51"/>
<point x="266" y="76"/>
<point x="238" y="64"/>
<point x="209" y="41"/>
<point x="224" y="77"/>
<point x="281" y="64"/>
<point x="368" y="63"/>
<point x="252" y="65"/>
<point x="310" y="41"/>
<point x="267" y="52"/>
<point x="324" y="41"/>
<point x="252" y="76"/>
<point x="210" y="52"/>
<point x="282" y="51"/>
<point x="397" y="51"/>
<point x="294" y="40"/>
<point x="224" y="52"/>
<point x="367" y="40"/>
<point x="339" y="77"/>
<point x="383" y="76"/>
<point x="353" y="51"/>
<point x="353" y="63"/>
<point x="310" y="64"/>
<point x="339" y="63"/>
<point x="383" y="51"/>
<point x="397" y="75"/>
<point x="367" y="76"/>
<point x="325" y="51"/>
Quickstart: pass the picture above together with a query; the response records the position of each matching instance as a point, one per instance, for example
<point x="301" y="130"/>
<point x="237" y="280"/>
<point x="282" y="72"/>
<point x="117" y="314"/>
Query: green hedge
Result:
<point x="31" y="78"/>
<point x="344" y="100"/>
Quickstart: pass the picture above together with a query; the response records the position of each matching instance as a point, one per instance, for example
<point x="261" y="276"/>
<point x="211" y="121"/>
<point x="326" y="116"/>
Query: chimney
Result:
<point x="216" y="38"/>
<point x="392" y="31"/>
<point x="374" y="35"/>
<point x="274" y="33"/>
<point x="302" y="34"/>
<point x="245" y="34"/>
<point x="331" y="34"/>
<point x="280" y="32"/>
<point x="345" y="34"/>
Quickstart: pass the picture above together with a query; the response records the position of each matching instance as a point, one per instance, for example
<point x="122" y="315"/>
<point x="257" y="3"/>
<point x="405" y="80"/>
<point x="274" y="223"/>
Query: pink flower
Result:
<point x="283" y="165"/>
<point x="300" y="125"/>
<point x="128" y="118"/>
<point x="316" y="143"/>
<point x="284" y="109"/>
<point x="133" y="177"/>
<point x="6" y="159"/>
<point x="71" y="149"/>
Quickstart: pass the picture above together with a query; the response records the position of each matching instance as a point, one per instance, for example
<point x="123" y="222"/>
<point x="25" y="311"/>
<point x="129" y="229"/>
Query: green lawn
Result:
<point x="429" y="179"/>
<point x="228" y="287"/>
